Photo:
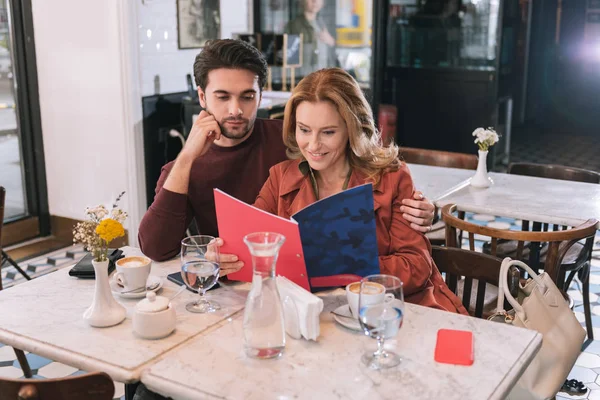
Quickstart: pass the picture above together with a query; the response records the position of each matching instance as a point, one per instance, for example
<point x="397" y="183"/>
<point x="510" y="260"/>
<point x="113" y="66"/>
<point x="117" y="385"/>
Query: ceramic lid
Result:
<point x="152" y="303"/>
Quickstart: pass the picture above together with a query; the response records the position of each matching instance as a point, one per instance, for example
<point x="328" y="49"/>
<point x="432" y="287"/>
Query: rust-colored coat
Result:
<point x="403" y="252"/>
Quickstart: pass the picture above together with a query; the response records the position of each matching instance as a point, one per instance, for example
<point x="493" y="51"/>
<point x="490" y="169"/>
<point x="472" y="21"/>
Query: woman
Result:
<point x="333" y="145"/>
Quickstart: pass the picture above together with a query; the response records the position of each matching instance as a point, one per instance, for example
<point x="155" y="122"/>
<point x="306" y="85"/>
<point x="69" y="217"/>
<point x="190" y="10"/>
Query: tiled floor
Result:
<point x="555" y="146"/>
<point x="41" y="265"/>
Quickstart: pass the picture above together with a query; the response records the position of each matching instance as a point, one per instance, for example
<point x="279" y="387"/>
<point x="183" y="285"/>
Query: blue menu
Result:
<point x="338" y="234"/>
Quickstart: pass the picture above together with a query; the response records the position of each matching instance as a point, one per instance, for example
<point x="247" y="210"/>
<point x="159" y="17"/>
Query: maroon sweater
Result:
<point x="239" y="171"/>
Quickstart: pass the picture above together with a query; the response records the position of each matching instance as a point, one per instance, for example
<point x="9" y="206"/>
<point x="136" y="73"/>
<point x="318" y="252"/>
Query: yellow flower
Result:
<point x="109" y="229"/>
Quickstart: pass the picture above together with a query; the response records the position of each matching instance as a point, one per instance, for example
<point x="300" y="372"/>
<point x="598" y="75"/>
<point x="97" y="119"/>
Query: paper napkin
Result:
<point x="301" y="310"/>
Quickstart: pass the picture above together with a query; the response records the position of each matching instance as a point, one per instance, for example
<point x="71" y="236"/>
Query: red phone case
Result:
<point x="454" y="347"/>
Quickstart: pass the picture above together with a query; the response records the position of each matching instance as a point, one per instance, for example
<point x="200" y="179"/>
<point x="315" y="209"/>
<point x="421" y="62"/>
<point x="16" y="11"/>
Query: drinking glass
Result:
<point x="381" y="320"/>
<point x="200" y="270"/>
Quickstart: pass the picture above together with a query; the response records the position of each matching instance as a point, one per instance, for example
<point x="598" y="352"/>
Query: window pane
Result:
<point x="11" y="166"/>
<point x="443" y="33"/>
<point x="336" y="33"/>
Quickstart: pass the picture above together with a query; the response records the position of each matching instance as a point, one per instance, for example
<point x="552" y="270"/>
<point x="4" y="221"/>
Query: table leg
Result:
<point x="23" y="362"/>
<point x="130" y="389"/>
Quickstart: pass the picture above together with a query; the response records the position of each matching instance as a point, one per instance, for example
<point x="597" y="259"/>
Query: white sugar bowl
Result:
<point x="154" y="317"/>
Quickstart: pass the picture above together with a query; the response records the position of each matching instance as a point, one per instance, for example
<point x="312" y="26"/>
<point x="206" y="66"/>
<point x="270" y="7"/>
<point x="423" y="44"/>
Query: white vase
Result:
<point x="481" y="178"/>
<point x="105" y="310"/>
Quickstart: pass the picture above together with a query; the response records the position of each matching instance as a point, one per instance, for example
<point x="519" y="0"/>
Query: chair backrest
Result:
<point x="438" y="158"/>
<point x="458" y="263"/>
<point x="554" y="171"/>
<point x="93" y="386"/>
<point x="559" y="242"/>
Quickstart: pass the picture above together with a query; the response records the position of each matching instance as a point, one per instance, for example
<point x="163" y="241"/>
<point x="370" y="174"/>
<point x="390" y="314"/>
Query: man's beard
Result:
<point x="239" y="133"/>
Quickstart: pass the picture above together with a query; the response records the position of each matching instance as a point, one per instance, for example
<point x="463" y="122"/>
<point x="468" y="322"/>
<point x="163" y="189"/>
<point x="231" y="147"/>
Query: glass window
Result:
<point x="11" y="165"/>
<point x="443" y="33"/>
<point x="335" y="33"/>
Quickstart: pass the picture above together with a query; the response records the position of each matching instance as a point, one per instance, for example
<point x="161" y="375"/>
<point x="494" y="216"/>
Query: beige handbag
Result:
<point x="540" y="306"/>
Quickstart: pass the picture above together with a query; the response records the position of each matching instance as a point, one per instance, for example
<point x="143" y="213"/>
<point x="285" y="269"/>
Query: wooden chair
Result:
<point x="93" y="386"/>
<point x="578" y="258"/>
<point x="580" y="253"/>
<point x="558" y="244"/>
<point x="438" y="158"/>
<point x="478" y="273"/>
<point x="553" y="171"/>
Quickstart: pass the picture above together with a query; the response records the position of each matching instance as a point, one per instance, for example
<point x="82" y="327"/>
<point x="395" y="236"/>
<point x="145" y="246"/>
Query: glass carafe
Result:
<point x="264" y="329"/>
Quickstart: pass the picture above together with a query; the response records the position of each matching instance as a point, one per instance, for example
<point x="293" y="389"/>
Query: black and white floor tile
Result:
<point x="41" y="265"/>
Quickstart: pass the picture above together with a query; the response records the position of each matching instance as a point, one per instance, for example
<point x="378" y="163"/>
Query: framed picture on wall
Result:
<point x="197" y="22"/>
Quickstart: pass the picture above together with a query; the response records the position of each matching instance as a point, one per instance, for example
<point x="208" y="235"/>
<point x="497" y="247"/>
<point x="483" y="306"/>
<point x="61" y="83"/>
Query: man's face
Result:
<point x="313" y="6"/>
<point x="232" y="96"/>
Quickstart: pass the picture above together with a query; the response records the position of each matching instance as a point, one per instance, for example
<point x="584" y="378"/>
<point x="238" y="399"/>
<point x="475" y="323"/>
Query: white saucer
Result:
<point x="350" y="322"/>
<point x="116" y="289"/>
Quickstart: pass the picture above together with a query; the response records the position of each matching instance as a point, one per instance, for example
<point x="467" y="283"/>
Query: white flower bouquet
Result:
<point x="485" y="138"/>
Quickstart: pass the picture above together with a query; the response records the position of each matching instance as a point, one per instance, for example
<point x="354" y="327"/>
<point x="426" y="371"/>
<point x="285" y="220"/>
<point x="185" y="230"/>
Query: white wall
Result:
<point x="159" y="52"/>
<point x="84" y="104"/>
<point x="93" y="59"/>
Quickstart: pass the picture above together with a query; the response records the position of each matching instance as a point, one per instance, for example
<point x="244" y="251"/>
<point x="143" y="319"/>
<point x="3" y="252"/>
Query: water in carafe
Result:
<point x="264" y="329"/>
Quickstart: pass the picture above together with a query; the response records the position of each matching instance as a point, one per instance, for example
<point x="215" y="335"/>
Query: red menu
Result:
<point x="236" y="219"/>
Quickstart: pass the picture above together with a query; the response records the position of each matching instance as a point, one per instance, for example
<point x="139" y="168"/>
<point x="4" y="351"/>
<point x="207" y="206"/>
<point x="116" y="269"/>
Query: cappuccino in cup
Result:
<point x="132" y="272"/>
<point x="368" y="288"/>
<point x="372" y="292"/>
<point x="132" y="262"/>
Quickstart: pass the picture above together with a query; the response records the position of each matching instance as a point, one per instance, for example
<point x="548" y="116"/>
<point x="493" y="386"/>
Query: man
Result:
<point x="228" y="148"/>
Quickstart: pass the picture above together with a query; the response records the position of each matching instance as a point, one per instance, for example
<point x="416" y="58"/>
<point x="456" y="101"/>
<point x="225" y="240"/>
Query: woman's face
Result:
<point x="322" y="135"/>
<point x="313" y="6"/>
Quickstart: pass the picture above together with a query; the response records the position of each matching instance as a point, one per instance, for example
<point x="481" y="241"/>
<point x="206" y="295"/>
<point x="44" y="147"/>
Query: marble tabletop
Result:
<point x="437" y="182"/>
<point x="44" y="316"/>
<point x="515" y="196"/>
<point x="530" y="198"/>
<point x="213" y="365"/>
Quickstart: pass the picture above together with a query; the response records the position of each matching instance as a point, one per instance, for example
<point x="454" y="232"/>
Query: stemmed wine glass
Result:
<point x="381" y="320"/>
<point x="200" y="266"/>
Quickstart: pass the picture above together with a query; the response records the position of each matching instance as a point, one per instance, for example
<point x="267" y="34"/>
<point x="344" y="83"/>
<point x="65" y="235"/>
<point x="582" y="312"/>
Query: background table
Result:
<point x="515" y="196"/>
<point x="213" y="365"/>
<point x="535" y="199"/>
<point x="435" y="182"/>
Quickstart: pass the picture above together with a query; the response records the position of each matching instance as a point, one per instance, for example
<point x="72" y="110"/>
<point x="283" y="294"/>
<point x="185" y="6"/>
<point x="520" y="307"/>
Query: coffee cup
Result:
<point x="373" y="293"/>
<point x="132" y="272"/>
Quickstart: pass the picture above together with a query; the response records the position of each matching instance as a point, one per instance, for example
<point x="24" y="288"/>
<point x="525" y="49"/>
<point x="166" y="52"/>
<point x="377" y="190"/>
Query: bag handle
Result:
<point x="503" y="286"/>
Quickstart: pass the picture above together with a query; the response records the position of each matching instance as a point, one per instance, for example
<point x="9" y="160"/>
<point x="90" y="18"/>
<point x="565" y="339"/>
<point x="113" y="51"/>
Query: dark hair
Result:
<point x="232" y="54"/>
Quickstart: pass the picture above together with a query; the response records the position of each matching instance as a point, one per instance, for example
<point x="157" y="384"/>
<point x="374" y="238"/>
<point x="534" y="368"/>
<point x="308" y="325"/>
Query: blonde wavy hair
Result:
<point x="366" y="152"/>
